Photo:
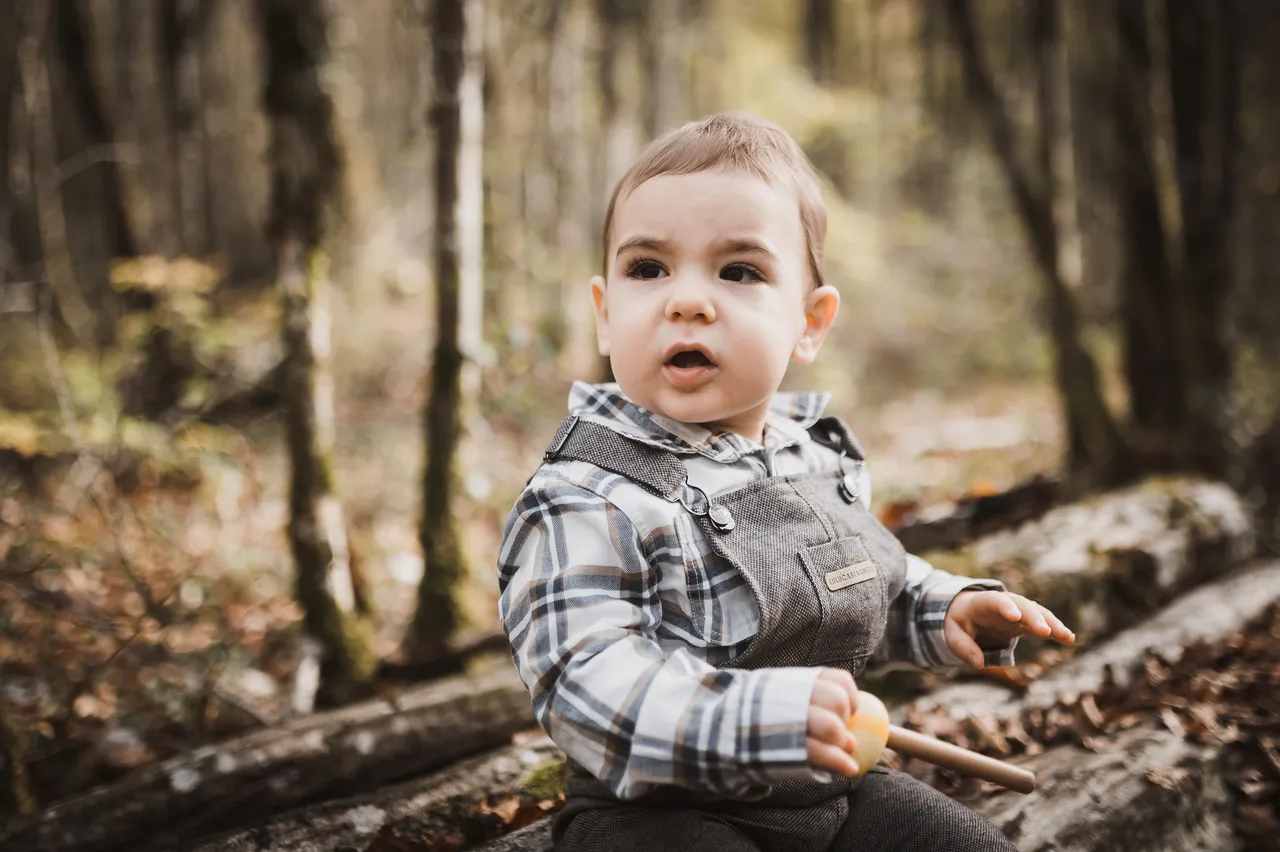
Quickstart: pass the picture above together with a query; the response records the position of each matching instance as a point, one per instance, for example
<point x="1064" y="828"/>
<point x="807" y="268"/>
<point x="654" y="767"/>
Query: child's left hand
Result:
<point x="980" y="619"/>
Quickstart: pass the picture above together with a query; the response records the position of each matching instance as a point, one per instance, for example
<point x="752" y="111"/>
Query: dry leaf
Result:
<point x="1168" y="777"/>
<point x="1172" y="722"/>
<point x="505" y="809"/>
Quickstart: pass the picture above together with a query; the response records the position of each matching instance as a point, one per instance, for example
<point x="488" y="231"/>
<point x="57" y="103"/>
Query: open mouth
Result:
<point x="689" y="366"/>
<point x="690" y="358"/>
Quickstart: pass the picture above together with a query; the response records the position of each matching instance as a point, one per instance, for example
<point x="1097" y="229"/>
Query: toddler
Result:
<point x="691" y="582"/>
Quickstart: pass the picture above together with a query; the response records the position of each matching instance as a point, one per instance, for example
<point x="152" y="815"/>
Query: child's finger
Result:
<point x="962" y="644"/>
<point x="833" y="697"/>
<point x="1059" y="631"/>
<point x="824" y="756"/>
<point x="1031" y="616"/>
<point x="994" y="609"/>
<point x="827" y="727"/>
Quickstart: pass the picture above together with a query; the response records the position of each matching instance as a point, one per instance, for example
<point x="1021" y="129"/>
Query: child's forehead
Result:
<point x="702" y="202"/>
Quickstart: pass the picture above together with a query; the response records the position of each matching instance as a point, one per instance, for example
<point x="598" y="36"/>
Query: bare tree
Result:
<point x="1155" y="365"/>
<point x="1095" y="443"/>
<point x="59" y="270"/>
<point x="10" y="28"/>
<point x="183" y="24"/>
<point x="76" y="55"/>
<point x="15" y="784"/>
<point x="663" y="59"/>
<point x="1204" y="84"/>
<point x="306" y="168"/>
<point x="818" y="29"/>
<point x="457" y="62"/>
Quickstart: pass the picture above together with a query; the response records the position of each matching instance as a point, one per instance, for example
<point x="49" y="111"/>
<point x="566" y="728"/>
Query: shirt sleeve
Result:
<point x="579" y="604"/>
<point x="913" y="632"/>
<point x="914" y="629"/>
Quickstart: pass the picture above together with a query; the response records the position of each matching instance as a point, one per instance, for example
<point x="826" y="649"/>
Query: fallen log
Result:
<point x="354" y="822"/>
<point x="231" y="784"/>
<point x="1101" y="564"/>
<point x="1208" y="613"/>
<point x="1105" y="563"/>
<point x="1150" y="791"/>
<point x="978" y="515"/>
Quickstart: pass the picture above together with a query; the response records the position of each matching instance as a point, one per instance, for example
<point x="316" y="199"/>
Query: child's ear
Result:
<point x="820" y="309"/>
<point x="602" y="314"/>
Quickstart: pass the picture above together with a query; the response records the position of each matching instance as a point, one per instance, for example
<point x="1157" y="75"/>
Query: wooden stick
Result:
<point x="940" y="753"/>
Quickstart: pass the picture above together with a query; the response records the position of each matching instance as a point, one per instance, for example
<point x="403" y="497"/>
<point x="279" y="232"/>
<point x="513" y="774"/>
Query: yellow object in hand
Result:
<point x="869" y="725"/>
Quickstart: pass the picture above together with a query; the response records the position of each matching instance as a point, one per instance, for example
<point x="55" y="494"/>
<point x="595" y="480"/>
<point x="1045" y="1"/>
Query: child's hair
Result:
<point x="739" y="142"/>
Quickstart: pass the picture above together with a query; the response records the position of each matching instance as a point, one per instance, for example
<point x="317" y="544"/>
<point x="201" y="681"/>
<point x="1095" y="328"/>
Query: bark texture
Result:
<point x="306" y="166"/>
<point x="437" y="614"/>
<point x="1087" y="802"/>
<point x="354" y="822"/>
<point x="235" y="783"/>
<point x="1155" y="366"/>
<point x="1105" y="563"/>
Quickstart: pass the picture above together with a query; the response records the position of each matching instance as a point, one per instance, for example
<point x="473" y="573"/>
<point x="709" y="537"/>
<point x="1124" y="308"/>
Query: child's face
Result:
<point x="708" y="298"/>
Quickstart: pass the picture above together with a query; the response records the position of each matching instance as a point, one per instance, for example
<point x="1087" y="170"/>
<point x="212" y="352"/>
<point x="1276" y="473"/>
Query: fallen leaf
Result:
<point x="1168" y="777"/>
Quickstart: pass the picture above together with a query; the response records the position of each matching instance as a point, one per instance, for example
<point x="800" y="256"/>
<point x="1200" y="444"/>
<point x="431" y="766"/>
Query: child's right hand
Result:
<point x="830" y="744"/>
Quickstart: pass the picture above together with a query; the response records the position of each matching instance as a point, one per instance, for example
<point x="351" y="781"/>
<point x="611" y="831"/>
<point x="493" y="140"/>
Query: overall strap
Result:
<point x="659" y="471"/>
<point x="833" y="433"/>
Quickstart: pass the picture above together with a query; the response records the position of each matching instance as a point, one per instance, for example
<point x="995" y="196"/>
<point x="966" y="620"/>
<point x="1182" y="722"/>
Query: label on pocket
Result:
<point x="857" y="573"/>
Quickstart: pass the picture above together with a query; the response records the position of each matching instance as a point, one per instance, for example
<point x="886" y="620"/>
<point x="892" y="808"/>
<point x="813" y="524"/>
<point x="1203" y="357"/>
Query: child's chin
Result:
<point x="697" y="407"/>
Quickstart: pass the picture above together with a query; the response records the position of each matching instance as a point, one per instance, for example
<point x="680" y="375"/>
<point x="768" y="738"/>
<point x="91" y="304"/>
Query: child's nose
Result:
<point x="691" y="303"/>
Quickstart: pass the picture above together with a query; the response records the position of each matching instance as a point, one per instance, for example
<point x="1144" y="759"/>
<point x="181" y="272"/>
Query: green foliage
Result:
<point x="547" y="780"/>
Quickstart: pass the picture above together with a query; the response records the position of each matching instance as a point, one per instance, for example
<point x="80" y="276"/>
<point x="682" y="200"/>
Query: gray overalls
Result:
<point x="823" y="571"/>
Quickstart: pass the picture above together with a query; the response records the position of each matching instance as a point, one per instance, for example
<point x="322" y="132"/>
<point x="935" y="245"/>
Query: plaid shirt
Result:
<point x="619" y="613"/>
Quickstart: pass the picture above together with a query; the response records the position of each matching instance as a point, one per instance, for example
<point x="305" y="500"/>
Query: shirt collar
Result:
<point x="787" y="423"/>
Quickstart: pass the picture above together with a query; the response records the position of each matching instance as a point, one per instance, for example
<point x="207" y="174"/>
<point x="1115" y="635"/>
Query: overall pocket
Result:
<point x="853" y="597"/>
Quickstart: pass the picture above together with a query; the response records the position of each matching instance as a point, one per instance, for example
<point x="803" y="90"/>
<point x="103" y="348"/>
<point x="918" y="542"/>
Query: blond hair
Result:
<point x="738" y="142"/>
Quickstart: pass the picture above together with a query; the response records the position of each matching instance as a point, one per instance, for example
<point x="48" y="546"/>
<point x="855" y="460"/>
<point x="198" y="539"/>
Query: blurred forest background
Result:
<point x="293" y="293"/>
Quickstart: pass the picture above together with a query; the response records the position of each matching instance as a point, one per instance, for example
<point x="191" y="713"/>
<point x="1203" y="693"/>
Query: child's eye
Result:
<point x="740" y="273"/>
<point x="645" y="269"/>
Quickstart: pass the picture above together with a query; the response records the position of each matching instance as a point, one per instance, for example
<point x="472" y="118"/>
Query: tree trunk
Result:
<point x="566" y="138"/>
<point x="77" y="63"/>
<point x="1154" y="364"/>
<point x="1204" y="82"/>
<point x="235" y="783"/>
<point x="15" y="785"/>
<point x="33" y="56"/>
<point x="325" y="588"/>
<point x="183" y="23"/>
<point x="306" y="165"/>
<point x="819" y="32"/>
<point x="10" y="32"/>
<point x="662" y="59"/>
<point x="1055" y="150"/>
<point x="1096" y="448"/>
<point x="438" y="614"/>
<point x="619" y="138"/>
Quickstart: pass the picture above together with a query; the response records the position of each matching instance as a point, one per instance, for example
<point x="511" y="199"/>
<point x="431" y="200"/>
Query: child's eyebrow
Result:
<point x="745" y="246"/>
<point x="649" y="243"/>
